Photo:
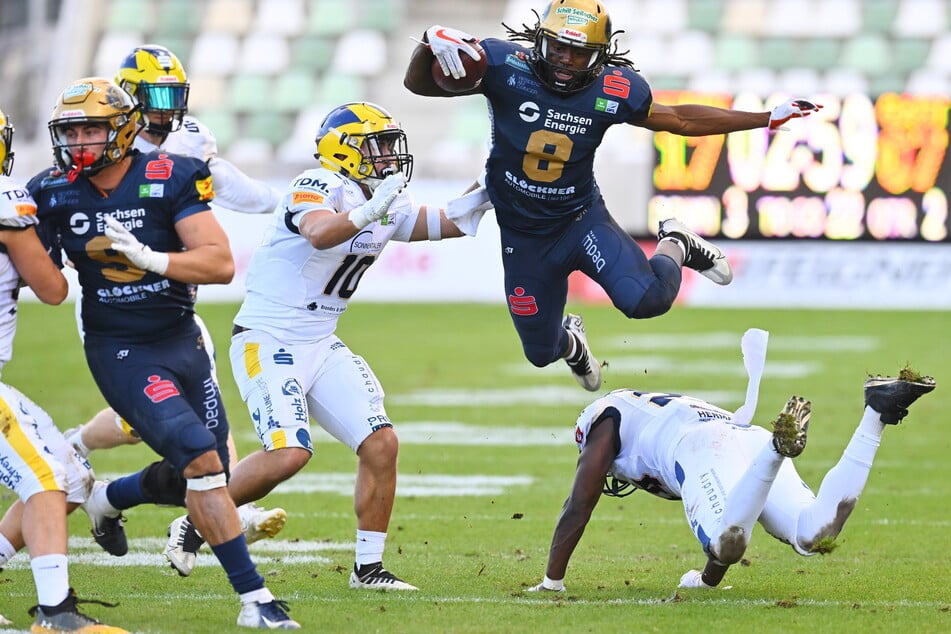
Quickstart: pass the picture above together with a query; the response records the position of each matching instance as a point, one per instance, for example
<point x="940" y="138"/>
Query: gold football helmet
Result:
<point x="6" y="145"/>
<point x="90" y="101"/>
<point x="155" y="77"/>
<point x="581" y="23"/>
<point x="362" y="141"/>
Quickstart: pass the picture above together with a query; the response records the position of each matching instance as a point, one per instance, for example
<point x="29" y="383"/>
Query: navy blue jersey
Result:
<point x="541" y="164"/>
<point x="119" y="299"/>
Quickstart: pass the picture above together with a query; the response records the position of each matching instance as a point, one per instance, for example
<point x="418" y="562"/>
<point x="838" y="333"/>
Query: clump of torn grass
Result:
<point x="824" y="546"/>
<point x="909" y="374"/>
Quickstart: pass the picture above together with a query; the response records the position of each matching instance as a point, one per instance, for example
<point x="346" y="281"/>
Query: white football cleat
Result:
<point x="267" y="616"/>
<point x="258" y="523"/>
<point x="184" y="540"/>
<point x="107" y="528"/>
<point x="583" y="365"/>
<point x="700" y="255"/>
<point x="376" y="577"/>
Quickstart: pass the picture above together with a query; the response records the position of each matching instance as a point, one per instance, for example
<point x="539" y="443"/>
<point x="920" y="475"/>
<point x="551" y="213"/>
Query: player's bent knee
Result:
<point x="381" y="447"/>
<point x="289" y="460"/>
<point x="637" y="302"/>
<point x="730" y="546"/>
<point x="540" y="355"/>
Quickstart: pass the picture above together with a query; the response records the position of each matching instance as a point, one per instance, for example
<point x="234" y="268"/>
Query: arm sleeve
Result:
<point x="239" y="192"/>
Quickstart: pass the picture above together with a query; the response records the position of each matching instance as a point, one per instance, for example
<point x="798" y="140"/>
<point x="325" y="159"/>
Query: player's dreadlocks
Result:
<point x="613" y="56"/>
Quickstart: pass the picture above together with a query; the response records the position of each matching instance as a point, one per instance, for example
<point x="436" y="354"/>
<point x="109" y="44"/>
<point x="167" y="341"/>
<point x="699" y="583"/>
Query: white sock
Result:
<point x="846" y="480"/>
<point x="261" y="595"/>
<point x="51" y="575"/>
<point x="678" y="242"/>
<point x="745" y="502"/>
<point x="7" y="551"/>
<point x="370" y="546"/>
<point x="76" y="440"/>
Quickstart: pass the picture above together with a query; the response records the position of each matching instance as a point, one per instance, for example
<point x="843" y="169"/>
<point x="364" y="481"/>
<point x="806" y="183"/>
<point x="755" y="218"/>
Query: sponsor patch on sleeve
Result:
<point x="25" y="209"/>
<point x="306" y="197"/>
<point x="206" y="190"/>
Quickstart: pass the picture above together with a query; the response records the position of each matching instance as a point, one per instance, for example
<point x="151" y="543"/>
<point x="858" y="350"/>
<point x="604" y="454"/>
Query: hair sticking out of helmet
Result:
<point x="579" y="24"/>
<point x="363" y="142"/>
<point x="6" y="145"/>
<point x="92" y="101"/>
<point x="155" y="78"/>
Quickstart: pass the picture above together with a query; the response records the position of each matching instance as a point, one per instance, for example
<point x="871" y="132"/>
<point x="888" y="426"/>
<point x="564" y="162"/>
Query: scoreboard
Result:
<point x="861" y="168"/>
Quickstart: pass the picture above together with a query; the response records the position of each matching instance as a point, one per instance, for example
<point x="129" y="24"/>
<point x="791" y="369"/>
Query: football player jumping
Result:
<point x="551" y="105"/>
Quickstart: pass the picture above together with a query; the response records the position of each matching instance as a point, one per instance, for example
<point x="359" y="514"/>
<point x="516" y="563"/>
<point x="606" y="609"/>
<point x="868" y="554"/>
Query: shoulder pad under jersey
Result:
<point x="192" y="139"/>
<point x="17" y="208"/>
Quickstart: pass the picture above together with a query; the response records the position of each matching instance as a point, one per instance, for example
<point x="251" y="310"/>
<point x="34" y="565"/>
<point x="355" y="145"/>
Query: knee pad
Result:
<point x="651" y="305"/>
<point x="162" y="483"/>
<point x="657" y="298"/>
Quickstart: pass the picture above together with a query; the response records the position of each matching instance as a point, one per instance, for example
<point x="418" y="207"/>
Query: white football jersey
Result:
<point x="17" y="210"/>
<point x="192" y="139"/>
<point x="233" y="188"/>
<point x="296" y="293"/>
<point x="652" y="425"/>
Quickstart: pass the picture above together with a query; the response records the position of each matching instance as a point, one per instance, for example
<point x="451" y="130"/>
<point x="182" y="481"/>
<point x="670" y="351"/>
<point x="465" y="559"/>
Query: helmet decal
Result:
<point x="363" y="142"/>
<point x="156" y="78"/>
<point x="93" y="101"/>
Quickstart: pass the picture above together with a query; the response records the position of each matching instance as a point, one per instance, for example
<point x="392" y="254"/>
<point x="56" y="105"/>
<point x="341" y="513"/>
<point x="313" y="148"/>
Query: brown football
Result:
<point x="475" y="70"/>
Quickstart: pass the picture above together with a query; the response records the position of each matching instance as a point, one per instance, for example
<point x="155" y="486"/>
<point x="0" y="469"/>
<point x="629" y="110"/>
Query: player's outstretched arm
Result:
<point x="432" y="224"/>
<point x="239" y="192"/>
<point x="593" y="464"/>
<point x="701" y="120"/>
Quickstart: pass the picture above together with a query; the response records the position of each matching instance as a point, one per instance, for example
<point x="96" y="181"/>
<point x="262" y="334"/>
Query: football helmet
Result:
<point x="362" y="141"/>
<point x="580" y="23"/>
<point x="6" y="144"/>
<point x="155" y="77"/>
<point x="93" y="100"/>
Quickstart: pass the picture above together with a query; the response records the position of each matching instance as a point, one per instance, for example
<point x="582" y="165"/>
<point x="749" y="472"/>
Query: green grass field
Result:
<point x="486" y="461"/>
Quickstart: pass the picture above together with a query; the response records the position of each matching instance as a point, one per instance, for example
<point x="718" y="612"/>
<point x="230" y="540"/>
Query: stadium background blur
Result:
<point x="263" y="74"/>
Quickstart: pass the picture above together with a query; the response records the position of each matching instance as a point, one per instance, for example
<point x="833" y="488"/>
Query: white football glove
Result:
<point x="792" y="109"/>
<point x="383" y="196"/>
<point x="548" y="585"/>
<point x="445" y="43"/>
<point x="693" y="579"/>
<point x="139" y="254"/>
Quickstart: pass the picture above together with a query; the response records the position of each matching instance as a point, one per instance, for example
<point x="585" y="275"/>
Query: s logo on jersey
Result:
<point x="160" y="389"/>
<point x="521" y="304"/>
<point x="159" y="169"/>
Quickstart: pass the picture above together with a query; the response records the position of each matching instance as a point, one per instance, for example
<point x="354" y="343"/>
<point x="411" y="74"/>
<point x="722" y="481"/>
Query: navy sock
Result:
<point x="234" y="558"/>
<point x="126" y="492"/>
